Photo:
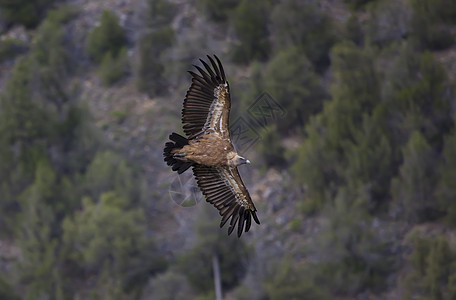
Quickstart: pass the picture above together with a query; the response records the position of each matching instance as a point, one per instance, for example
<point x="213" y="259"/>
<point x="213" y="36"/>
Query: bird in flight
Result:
<point x="208" y="148"/>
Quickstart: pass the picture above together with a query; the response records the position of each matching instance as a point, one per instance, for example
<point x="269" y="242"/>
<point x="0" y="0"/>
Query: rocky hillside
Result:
<point x="345" y="108"/>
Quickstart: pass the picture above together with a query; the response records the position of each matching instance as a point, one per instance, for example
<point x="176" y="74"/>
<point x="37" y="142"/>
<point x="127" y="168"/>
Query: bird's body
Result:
<point x="208" y="148"/>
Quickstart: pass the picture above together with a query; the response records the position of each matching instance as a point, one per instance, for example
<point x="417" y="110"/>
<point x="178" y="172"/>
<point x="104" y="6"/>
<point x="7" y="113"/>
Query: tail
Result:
<point x="179" y="143"/>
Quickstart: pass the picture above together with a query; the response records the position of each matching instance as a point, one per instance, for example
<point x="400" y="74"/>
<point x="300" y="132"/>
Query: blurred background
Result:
<point x="353" y="164"/>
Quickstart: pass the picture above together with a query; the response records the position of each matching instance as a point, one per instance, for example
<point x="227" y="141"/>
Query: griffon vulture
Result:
<point x="208" y="148"/>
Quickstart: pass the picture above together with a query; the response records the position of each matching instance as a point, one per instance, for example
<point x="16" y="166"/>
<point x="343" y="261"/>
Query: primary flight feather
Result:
<point x="208" y="148"/>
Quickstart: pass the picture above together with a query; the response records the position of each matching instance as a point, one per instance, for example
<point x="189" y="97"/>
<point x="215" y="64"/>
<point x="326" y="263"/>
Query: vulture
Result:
<point x="207" y="147"/>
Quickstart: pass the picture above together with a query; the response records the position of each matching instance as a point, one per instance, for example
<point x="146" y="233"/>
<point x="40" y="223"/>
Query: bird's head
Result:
<point x="238" y="160"/>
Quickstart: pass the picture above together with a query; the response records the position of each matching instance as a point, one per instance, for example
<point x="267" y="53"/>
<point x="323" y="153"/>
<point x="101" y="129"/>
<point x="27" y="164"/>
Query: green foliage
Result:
<point x="314" y="166"/>
<point x="149" y="68"/>
<point x="353" y="30"/>
<point x="120" y="115"/>
<point x="159" y="13"/>
<point x="292" y="82"/>
<point x="232" y="253"/>
<point x="379" y="144"/>
<point x="10" y="48"/>
<point x="47" y="148"/>
<point x="353" y="256"/>
<point x="110" y="172"/>
<point x="35" y="113"/>
<point x="218" y="10"/>
<point x="370" y="160"/>
<point x="432" y="271"/>
<point x="293" y="281"/>
<point x="23" y="118"/>
<point x="446" y="190"/>
<point x="26" y="12"/>
<point x="429" y="20"/>
<point x="323" y="158"/>
<point x="109" y="36"/>
<point x="250" y="25"/>
<point x="52" y="57"/>
<point x="112" y="69"/>
<point x="270" y="148"/>
<point x="108" y="239"/>
<point x="37" y="235"/>
<point x="388" y="21"/>
<point x="413" y="189"/>
<point x="6" y="291"/>
<point x="356" y="142"/>
<point x="302" y="24"/>
<point x="153" y="44"/>
<point x="420" y="99"/>
<point x="171" y="285"/>
<point x="356" y="4"/>
<point x="63" y="14"/>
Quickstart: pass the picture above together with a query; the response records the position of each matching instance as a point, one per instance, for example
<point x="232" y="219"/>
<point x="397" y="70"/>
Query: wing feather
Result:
<point x="223" y="187"/>
<point x="207" y="102"/>
<point x="222" y="72"/>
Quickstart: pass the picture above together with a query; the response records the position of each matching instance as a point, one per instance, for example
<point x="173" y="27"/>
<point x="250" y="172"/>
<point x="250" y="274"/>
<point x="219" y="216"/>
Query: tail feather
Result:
<point x="179" y="143"/>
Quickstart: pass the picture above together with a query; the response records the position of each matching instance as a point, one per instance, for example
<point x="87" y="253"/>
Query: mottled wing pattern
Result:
<point x="207" y="102"/>
<point x="223" y="187"/>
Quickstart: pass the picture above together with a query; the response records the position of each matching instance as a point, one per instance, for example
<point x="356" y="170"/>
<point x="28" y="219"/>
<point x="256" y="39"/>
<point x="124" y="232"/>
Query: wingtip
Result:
<point x="230" y="230"/>
<point x="255" y="217"/>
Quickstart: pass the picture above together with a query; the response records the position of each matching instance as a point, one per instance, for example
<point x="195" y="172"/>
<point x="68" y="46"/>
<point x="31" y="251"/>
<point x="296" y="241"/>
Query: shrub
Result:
<point x="446" y="191"/>
<point x="413" y="189"/>
<point x="271" y="148"/>
<point x="303" y="25"/>
<point x="113" y="243"/>
<point x="250" y="24"/>
<point x="113" y="68"/>
<point x="356" y="4"/>
<point x="109" y="36"/>
<point x="10" y="48"/>
<point x="432" y="270"/>
<point x="218" y="10"/>
<point x="26" y="12"/>
<point x="63" y="14"/>
<point x="324" y="156"/>
<point x="352" y="255"/>
<point x="353" y="30"/>
<point x="429" y="23"/>
<point x="388" y="21"/>
<point x="293" y="281"/>
<point x="159" y="13"/>
<point x="232" y="254"/>
<point x="6" y="291"/>
<point x="290" y="79"/>
<point x="149" y="68"/>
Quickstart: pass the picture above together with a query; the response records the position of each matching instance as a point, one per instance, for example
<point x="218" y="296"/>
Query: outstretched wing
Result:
<point x="223" y="187"/>
<point x="207" y="103"/>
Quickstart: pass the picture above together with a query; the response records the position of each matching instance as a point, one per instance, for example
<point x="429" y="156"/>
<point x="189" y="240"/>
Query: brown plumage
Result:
<point x="208" y="148"/>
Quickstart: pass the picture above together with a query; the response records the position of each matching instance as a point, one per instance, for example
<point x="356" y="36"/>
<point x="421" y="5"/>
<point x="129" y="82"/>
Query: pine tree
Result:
<point x="304" y="25"/>
<point x="324" y="156"/>
<point x="37" y="236"/>
<point x="301" y="96"/>
<point x="109" y="36"/>
<point x="293" y="281"/>
<point x="108" y="239"/>
<point x="250" y="23"/>
<point x="412" y="190"/>
<point x="446" y="191"/>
